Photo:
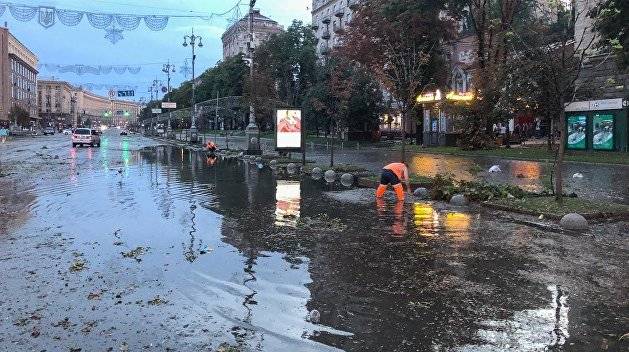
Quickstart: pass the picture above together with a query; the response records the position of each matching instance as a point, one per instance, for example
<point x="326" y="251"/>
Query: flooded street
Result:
<point x="140" y="246"/>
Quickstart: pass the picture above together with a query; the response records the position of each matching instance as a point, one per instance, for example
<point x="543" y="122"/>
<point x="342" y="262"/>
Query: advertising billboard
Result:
<point x="288" y="131"/>
<point x="603" y="132"/>
<point x="577" y="126"/>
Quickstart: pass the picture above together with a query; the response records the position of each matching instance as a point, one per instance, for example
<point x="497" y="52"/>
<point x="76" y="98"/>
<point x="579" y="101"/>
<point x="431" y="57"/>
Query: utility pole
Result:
<point x="168" y="68"/>
<point x="193" y="42"/>
<point x="252" y="130"/>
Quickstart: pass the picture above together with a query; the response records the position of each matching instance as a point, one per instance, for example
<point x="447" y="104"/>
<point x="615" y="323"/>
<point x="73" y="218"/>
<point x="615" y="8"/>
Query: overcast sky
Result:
<point x="86" y="45"/>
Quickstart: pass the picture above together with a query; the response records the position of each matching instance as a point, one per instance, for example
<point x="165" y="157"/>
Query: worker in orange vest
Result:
<point x="211" y="147"/>
<point x="394" y="174"/>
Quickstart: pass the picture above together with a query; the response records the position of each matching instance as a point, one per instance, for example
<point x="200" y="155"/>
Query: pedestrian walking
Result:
<point x="3" y="134"/>
<point x="394" y="174"/>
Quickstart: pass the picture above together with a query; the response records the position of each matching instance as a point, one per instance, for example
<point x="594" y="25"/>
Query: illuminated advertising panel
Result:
<point x="288" y="130"/>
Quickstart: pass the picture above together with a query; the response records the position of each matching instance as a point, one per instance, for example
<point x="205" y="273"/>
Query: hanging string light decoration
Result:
<point x="100" y="21"/>
<point x="156" y="23"/>
<point x="46" y="17"/>
<point x="185" y="70"/>
<point x="128" y="22"/>
<point x="69" y="18"/>
<point x="22" y="13"/>
<point x="94" y="70"/>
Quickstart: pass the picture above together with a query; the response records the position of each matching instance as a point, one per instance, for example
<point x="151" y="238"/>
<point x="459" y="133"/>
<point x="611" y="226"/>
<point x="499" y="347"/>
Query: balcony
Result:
<point x="326" y="20"/>
<point x="353" y="4"/>
<point x="326" y="35"/>
<point x="340" y="13"/>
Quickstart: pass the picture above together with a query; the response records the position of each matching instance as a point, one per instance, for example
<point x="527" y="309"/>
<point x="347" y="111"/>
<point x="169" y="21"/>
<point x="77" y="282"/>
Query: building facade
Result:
<point x="18" y="77"/>
<point x="236" y="38"/>
<point x="62" y="105"/>
<point x="329" y="19"/>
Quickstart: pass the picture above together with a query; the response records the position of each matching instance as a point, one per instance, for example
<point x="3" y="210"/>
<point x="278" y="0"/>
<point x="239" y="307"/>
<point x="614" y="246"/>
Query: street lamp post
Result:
<point x="252" y="132"/>
<point x="168" y="69"/>
<point x="193" y="43"/>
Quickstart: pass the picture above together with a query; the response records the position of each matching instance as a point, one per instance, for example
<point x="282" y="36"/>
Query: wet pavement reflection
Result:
<point x="246" y="253"/>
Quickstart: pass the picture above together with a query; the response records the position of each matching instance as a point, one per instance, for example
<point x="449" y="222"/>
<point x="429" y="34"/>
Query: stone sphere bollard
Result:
<point x="258" y="160"/>
<point x="291" y="168"/>
<point x="317" y="173"/>
<point x="330" y="176"/>
<point x="347" y="180"/>
<point x="574" y="222"/>
<point x="459" y="200"/>
<point x="254" y="140"/>
<point x="421" y="193"/>
<point x="273" y="163"/>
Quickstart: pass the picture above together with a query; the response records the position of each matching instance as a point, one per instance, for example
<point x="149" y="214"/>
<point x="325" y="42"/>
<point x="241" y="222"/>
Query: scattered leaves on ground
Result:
<point x="77" y="265"/>
<point x="135" y="253"/>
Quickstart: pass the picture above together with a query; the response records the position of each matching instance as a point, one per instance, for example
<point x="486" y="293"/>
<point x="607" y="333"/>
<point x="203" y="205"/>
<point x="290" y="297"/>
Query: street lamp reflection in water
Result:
<point x="288" y="203"/>
<point x="430" y="223"/>
<point x="426" y="219"/>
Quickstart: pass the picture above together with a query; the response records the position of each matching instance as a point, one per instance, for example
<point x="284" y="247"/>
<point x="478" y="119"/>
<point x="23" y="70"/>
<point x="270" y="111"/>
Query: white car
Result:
<point x="67" y="131"/>
<point x="83" y="136"/>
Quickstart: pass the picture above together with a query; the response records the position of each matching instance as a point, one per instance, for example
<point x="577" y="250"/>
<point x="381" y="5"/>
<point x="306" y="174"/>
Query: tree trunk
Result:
<point x="404" y="119"/>
<point x="332" y="151"/>
<point x="560" y="157"/>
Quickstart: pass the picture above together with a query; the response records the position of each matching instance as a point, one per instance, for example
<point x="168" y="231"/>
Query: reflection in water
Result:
<point x="431" y="223"/>
<point x="288" y="203"/>
<point x="527" y="330"/>
<point x="398" y="225"/>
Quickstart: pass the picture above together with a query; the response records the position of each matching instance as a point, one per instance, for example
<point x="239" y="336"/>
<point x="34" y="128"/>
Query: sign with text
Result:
<point x="288" y="129"/>
<point x="156" y="111"/>
<point x="167" y="105"/>
<point x="126" y="93"/>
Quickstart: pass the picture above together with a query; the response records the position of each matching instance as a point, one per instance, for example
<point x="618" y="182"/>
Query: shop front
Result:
<point x="599" y="125"/>
<point x="439" y="127"/>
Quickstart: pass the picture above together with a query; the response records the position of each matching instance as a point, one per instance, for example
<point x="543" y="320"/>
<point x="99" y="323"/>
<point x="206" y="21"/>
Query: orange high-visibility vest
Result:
<point x="397" y="168"/>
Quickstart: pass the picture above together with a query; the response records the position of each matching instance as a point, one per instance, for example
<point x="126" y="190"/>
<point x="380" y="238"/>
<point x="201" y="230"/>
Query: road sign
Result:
<point x="112" y="94"/>
<point x="156" y="111"/>
<point x="167" y="105"/>
<point x="126" y="93"/>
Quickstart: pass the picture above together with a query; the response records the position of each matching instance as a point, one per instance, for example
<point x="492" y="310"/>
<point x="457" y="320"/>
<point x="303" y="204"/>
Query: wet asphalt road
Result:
<point x="136" y="246"/>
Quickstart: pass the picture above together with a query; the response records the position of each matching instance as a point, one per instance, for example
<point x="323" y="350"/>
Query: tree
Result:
<point x="399" y="42"/>
<point x="20" y="116"/>
<point x="611" y="24"/>
<point x="290" y="59"/>
<point x="551" y="65"/>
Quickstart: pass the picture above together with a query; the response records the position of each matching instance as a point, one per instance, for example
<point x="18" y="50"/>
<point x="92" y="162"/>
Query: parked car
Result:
<point x="67" y="132"/>
<point x="84" y="136"/>
<point x="124" y="132"/>
<point x="48" y="131"/>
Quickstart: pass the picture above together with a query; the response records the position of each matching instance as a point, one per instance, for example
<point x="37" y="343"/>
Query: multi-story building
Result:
<point x="236" y="37"/>
<point x="18" y="76"/>
<point x="329" y="19"/>
<point x="63" y="105"/>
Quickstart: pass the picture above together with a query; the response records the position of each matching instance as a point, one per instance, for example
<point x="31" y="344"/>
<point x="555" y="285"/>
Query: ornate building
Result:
<point x="62" y="105"/>
<point x="236" y="37"/>
<point x="18" y="76"/>
<point x="329" y="18"/>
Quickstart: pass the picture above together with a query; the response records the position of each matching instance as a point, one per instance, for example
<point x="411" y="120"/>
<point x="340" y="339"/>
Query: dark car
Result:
<point x="124" y="133"/>
<point x="49" y="131"/>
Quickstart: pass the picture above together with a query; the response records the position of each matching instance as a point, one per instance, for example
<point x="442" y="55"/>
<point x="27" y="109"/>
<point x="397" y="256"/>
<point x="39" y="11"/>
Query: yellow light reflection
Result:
<point x="460" y="96"/>
<point x="288" y="205"/>
<point x="426" y="219"/>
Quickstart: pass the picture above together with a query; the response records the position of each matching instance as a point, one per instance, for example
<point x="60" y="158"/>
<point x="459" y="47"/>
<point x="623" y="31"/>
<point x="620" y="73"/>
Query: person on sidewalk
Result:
<point x="394" y="174"/>
<point x="3" y="134"/>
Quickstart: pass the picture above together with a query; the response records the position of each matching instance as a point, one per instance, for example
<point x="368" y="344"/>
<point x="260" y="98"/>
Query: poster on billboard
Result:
<point x="288" y="129"/>
<point x="603" y="132"/>
<point x="577" y="126"/>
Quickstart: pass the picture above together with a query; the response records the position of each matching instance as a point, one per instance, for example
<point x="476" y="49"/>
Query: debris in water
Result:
<point x="35" y="333"/>
<point x="77" y="265"/>
<point x="157" y="301"/>
<point x="577" y="175"/>
<point x="494" y="169"/>
<point x="205" y="250"/>
<point x="135" y="254"/>
<point x="94" y="295"/>
<point x="541" y="216"/>
<point x="314" y="316"/>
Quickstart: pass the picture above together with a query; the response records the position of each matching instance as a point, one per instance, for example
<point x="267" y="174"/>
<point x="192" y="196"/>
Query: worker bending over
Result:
<point x="211" y="147"/>
<point x="394" y="174"/>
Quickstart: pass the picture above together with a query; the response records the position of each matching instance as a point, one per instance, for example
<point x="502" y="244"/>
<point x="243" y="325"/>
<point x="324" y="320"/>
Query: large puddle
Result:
<point x="255" y="252"/>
